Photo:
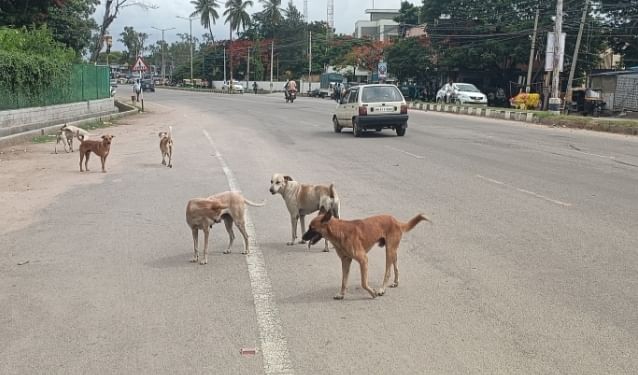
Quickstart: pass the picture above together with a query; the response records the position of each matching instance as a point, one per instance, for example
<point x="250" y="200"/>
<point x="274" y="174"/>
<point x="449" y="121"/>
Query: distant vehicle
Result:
<point x="317" y="93"/>
<point x="236" y="86"/>
<point x="460" y="93"/>
<point x="148" y="85"/>
<point x="371" y="107"/>
<point x="328" y="83"/>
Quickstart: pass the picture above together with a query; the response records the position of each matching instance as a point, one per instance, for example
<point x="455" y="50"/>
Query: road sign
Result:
<point x="140" y="65"/>
<point x="383" y="70"/>
<point x="549" y="52"/>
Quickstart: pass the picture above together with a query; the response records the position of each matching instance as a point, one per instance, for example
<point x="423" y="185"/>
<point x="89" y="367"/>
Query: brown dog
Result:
<point x="202" y="213"/>
<point x="100" y="148"/>
<point x="353" y="239"/>
<point x="166" y="146"/>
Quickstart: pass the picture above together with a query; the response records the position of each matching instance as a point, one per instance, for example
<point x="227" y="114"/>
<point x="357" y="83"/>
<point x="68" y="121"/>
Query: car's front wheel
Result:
<point x="335" y="125"/>
<point x="401" y="131"/>
<point x="356" y="128"/>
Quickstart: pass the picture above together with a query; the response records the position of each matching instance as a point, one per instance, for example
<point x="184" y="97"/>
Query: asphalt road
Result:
<point x="530" y="265"/>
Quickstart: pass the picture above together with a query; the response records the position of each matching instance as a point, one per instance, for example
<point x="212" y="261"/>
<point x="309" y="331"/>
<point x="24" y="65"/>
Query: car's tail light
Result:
<point x="363" y="111"/>
<point x="404" y="109"/>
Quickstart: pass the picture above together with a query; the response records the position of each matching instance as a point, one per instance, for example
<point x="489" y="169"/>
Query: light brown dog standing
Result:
<point x="353" y="239"/>
<point x="166" y="146"/>
<point x="100" y="148"/>
<point x="202" y="213"/>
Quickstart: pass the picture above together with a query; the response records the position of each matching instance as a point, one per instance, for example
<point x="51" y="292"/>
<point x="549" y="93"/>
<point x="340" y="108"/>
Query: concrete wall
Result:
<point x="22" y="120"/>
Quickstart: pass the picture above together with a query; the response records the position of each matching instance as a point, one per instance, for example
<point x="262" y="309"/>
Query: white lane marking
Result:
<point x="274" y="346"/>
<point x="405" y="152"/>
<point x="525" y="191"/>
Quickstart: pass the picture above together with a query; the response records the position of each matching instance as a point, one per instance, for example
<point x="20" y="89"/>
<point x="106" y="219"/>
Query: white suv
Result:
<point x="371" y="107"/>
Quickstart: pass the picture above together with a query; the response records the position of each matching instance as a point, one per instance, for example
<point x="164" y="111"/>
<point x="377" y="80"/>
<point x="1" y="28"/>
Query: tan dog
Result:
<point x="100" y="148"/>
<point x="303" y="199"/>
<point x="353" y="239"/>
<point x="166" y="146"/>
<point x="202" y="213"/>
<point x="65" y="135"/>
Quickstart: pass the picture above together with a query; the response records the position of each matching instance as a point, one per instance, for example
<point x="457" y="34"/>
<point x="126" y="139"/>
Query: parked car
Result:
<point x="148" y="85"/>
<point x="371" y="107"/>
<point x="236" y="86"/>
<point x="317" y="93"/>
<point x="460" y="93"/>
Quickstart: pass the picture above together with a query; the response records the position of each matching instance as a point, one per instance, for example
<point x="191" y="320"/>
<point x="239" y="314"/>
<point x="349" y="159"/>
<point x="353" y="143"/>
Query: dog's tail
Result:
<point x="170" y="132"/>
<point x="79" y="136"/>
<point x="254" y="204"/>
<point x="335" y="205"/>
<point x="406" y="227"/>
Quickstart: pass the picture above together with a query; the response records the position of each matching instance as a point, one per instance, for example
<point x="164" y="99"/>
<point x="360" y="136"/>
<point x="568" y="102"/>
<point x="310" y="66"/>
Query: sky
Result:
<point x="346" y="13"/>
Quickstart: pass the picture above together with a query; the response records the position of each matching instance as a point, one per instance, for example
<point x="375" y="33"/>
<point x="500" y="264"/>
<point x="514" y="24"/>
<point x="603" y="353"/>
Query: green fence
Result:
<point x="86" y="82"/>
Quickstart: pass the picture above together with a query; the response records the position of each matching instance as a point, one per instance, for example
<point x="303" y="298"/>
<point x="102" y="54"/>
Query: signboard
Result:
<point x="383" y="70"/>
<point x="140" y="65"/>
<point x="549" y="52"/>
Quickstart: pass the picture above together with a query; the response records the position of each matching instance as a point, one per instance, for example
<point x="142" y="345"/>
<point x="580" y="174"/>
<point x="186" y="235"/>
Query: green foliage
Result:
<point x="32" y="62"/>
<point x="207" y="13"/>
<point x="409" y="58"/>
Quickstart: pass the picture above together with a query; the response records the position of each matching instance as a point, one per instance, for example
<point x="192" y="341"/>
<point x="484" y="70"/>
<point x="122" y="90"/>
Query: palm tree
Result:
<point x="238" y="18"/>
<point x="207" y="13"/>
<point x="272" y="11"/>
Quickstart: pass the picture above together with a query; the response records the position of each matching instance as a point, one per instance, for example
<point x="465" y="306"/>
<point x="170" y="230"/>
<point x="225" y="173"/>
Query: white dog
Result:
<point x="66" y="134"/>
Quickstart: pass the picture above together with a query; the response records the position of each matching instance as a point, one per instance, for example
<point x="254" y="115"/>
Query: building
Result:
<point x="381" y="25"/>
<point x="619" y="89"/>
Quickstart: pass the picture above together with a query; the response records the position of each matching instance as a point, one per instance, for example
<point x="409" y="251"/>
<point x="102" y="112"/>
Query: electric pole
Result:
<point x="531" y="53"/>
<point x="272" y="51"/>
<point x="224" y="64"/>
<point x="572" y="69"/>
<point x="248" y="69"/>
<point x="190" y="24"/>
<point x="309" y="61"/>
<point x="554" y="101"/>
<point x="163" y="48"/>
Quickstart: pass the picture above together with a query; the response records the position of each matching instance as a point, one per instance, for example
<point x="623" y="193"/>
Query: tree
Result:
<point x="620" y="22"/>
<point x="111" y="10"/>
<point x="238" y="18"/>
<point x="408" y="14"/>
<point x="72" y="23"/>
<point x="134" y="43"/>
<point x="409" y="58"/>
<point x="207" y="13"/>
<point x="271" y="15"/>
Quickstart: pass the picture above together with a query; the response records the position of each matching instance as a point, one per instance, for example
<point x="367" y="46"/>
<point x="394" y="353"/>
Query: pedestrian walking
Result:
<point x="137" y="89"/>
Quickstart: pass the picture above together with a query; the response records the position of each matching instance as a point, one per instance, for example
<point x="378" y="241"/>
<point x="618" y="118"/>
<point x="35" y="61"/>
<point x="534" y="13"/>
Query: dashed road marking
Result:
<point x="406" y="152"/>
<point x="274" y="347"/>
<point x="525" y="191"/>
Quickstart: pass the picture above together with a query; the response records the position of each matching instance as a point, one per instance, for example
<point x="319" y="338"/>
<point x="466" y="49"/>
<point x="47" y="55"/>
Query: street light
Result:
<point x="190" y="23"/>
<point x="163" y="64"/>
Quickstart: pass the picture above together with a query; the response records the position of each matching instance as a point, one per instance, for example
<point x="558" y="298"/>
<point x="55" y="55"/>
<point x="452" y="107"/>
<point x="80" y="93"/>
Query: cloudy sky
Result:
<point x="346" y="13"/>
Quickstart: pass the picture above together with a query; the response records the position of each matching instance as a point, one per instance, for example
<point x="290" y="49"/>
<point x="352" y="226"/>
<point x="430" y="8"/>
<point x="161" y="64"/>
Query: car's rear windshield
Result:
<point x="381" y="94"/>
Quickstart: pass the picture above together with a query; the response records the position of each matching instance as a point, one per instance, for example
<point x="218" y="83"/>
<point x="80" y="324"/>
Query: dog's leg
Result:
<point x="302" y="220"/>
<point x="81" y="159"/>
<point x="170" y="156"/>
<point x="103" y="160"/>
<point x="195" y="255"/>
<point x="242" y="228"/>
<point x="70" y="141"/>
<point x="396" y="269"/>
<point x="228" y="222"/>
<point x="163" y="156"/>
<point x="325" y="249"/>
<point x="388" y="270"/>
<point x="363" y="263"/>
<point x="345" y="271"/>
<point x="205" y="259"/>
<point x="86" y="162"/>
<point x="293" y="222"/>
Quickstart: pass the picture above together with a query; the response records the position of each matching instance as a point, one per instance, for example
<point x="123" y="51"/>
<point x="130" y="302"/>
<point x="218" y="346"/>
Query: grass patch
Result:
<point x="46" y="138"/>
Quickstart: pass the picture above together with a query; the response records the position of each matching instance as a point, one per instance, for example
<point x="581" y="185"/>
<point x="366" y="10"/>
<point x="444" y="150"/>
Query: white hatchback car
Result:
<point x="236" y="86"/>
<point x="371" y="107"/>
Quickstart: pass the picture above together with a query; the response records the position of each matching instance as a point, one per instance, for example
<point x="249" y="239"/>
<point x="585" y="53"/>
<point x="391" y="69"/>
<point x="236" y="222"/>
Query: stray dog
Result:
<point x="65" y="135"/>
<point x="303" y="199"/>
<point x="202" y="213"/>
<point x="100" y="148"/>
<point x="353" y="239"/>
<point x="166" y="146"/>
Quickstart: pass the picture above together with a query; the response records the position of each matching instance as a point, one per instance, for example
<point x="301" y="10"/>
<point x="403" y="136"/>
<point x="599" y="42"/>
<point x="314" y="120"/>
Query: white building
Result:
<point x="381" y="25"/>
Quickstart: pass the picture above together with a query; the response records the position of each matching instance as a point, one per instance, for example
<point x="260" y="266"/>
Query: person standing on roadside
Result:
<point x="137" y="88"/>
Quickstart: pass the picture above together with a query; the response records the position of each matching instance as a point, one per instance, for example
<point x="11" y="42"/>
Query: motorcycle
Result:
<point x="291" y="96"/>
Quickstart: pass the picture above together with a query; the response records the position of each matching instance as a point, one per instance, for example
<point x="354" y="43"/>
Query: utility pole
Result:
<point x="572" y="70"/>
<point x="163" y="48"/>
<point x="248" y="69"/>
<point x="224" y="64"/>
<point x="309" y="61"/>
<point x="272" y="51"/>
<point x="190" y="24"/>
<point x="531" y="52"/>
<point x="554" y="101"/>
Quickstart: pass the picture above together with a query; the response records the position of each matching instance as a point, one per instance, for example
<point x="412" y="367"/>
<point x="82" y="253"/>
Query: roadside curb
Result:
<point x="27" y="136"/>
<point x="597" y="124"/>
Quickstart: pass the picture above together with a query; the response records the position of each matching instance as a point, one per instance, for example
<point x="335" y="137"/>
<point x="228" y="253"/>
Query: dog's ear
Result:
<point x="288" y="178"/>
<point x="103" y="137"/>
<point x="326" y="217"/>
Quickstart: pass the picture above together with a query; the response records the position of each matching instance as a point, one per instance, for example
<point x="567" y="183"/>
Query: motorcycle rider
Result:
<point x="290" y="87"/>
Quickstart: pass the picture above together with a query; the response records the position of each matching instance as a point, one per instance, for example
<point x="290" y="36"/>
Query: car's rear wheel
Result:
<point x="401" y="131"/>
<point x="356" y="129"/>
<point x="335" y="123"/>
